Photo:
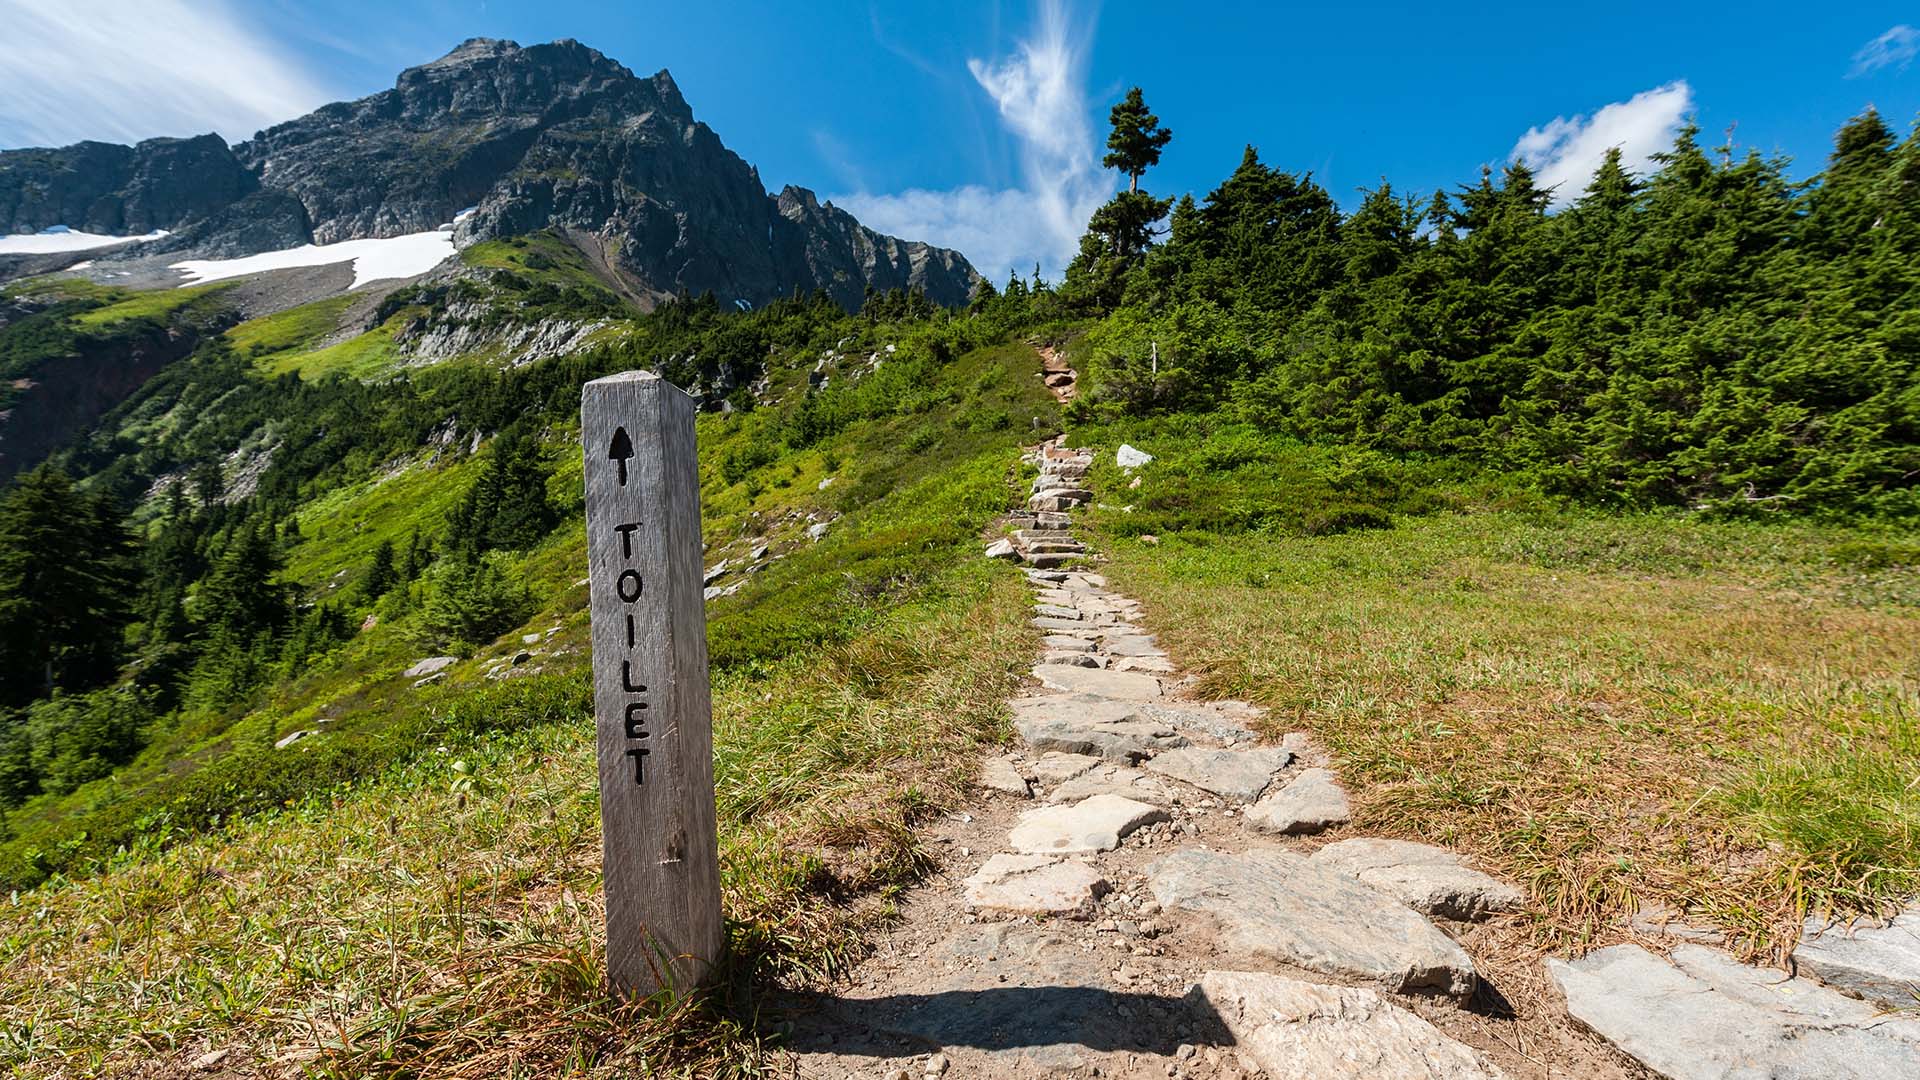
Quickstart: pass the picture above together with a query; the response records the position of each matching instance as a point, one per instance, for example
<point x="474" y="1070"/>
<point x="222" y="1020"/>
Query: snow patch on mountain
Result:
<point x="59" y="238"/>
<point x="373" y="259"/>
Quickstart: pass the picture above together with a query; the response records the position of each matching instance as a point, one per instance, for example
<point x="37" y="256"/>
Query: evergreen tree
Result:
<point x="1134" y="144"/>
<point x="68" y="572"/>
<point x="382" y="575"/>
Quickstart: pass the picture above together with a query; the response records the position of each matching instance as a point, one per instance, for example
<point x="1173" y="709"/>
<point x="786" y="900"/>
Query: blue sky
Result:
<point x="979" y="125"/>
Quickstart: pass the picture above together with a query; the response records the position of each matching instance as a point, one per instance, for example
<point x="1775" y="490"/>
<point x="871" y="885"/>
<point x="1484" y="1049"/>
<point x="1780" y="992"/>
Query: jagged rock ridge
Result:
<point x="554" y="135"/>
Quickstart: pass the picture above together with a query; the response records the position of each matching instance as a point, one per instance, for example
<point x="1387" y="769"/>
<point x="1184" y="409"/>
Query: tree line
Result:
<point x="1711" y="335"/>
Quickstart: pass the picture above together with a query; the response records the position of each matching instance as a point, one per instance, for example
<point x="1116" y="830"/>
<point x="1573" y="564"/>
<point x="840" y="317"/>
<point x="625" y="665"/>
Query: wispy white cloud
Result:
<point x="1895" y="49"/>
<point x="124" y="70"/>
<point x="1041" y="95"/>
<point x="1564" y="153"/>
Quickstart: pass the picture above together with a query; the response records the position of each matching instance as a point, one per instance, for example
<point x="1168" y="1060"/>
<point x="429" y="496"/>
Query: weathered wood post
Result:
<point x="651" y="700"/>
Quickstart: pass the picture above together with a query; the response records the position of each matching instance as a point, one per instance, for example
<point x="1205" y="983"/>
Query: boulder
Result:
<point x="1002" y="549"/>
<point x="1427" y="878"/>
<point x="430" y="665"/>
<point x="1276" y="904"/>
<point x="1129" y="458"/>
<point x="1298" y="1029"/>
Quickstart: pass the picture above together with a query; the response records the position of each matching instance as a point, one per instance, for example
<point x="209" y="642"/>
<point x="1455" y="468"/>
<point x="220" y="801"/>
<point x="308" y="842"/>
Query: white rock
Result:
<point x="1298" y="1029"/>
<point x="818" y="530"/>
<point x="1427" y="878"/>
<point x="1097" y="824"/>
<point x="1000" y="774"/>
<point x="430" y="665"/>
<point x="1128" y="458"/>
<point x="1002" y="549"/>
<point x="1309" y="803"/>
<point x="1036" y="885"/>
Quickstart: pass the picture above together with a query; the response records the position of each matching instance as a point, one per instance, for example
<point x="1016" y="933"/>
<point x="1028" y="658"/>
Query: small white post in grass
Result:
<point x="652" y="704"/>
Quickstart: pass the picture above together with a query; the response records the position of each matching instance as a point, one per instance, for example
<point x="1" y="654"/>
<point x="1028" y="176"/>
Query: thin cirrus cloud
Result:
<point x="1894" y="49"/>
<point x="1041" y="95"/>
<point x="1564" y="153"/>
<point x="125" y="70"/>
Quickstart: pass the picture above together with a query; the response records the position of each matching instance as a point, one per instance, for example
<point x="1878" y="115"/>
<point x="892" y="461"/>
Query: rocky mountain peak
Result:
<point x="556" y="135"/>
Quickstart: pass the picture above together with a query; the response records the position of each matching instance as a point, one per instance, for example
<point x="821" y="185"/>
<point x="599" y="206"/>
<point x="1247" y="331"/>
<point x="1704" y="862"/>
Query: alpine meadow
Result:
<point x="1498" y="607"/>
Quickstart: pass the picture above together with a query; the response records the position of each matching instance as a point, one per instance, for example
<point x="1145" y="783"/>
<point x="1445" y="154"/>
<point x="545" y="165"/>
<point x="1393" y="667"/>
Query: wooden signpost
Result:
<point x="651" y="700"/>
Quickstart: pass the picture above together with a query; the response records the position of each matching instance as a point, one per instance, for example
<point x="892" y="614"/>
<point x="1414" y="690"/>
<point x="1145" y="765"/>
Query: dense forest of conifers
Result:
<point x="1713" y="337"/>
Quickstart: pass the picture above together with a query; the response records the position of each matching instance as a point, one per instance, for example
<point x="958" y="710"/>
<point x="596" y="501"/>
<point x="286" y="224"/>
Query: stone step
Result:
<point x="1877" y="962"/>
<point x="1083" y="828"/>
<point x="1036" y="885"/>
<point x="1311" y="802"/>
<point x="1428" y="879"/>
<point x="1300" y="1029"/>
<point x="1238" y="776"/>
<point x="1273" y="903"/>
<point x="1129" y="685"/>
<point x="1701" y="1015"/>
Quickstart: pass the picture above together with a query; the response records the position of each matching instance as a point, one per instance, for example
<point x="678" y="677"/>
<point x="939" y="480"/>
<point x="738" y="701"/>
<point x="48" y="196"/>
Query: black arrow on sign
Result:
<point x="620" y="451"/>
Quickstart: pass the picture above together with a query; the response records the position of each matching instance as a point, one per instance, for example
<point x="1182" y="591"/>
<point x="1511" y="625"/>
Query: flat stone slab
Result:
<point x="1055" y="611"/>
<point x="1158" y="664"/>
<point x="1066" y="642"/>
<point x="1133" y="645"/>
<point x="1086" y="827"/>
<point x="1002" y="775"/>
<point x="1048" y="558"/>
<point x="1706" y="1016"/>
<point x="1056" y="626"/>
<point x="1058" y="768"/>
<point x="1236" y="775"/>
<point x="1128" y="685"/>
<point x="1276" y="904"/>
<point x="1310" y="802"/>
<point x="1071" y="659"/>
<point x="1879" y="963"/>
<point x="1113" y="780"/>
<point x="1299" y="1029"/>
<point x="1426" y="878"/>
<point x="1036" y="885"/>
<point x="1063" y="723"/>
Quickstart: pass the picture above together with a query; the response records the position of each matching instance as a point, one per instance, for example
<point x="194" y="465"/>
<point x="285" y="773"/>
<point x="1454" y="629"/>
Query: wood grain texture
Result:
<point x="644" y="555"/>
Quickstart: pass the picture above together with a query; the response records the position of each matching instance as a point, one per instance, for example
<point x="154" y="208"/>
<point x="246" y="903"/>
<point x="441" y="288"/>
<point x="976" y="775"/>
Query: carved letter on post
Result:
<point x="651" y="700"/>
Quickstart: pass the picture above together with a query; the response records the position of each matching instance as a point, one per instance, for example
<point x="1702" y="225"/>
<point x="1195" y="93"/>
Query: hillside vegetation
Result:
<point x="1580" y="532"/>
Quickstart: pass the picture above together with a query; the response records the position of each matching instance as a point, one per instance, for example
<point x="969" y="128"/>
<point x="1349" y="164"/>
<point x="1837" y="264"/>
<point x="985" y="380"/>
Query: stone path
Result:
<point x="1141" y="891"/>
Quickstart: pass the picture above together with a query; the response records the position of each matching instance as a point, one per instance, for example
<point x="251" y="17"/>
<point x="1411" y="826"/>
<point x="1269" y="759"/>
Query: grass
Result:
<point x="1721" y="717"/>
<point x="445" y="920"/>
<point x="291" y="330"/>
<point x="150" y="304"/>
<point x="363" y="356"/>
<point x="367" y="902"/>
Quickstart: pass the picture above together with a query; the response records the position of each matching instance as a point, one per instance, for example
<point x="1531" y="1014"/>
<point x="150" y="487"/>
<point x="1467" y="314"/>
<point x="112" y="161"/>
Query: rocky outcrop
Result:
<point x="547" y="136"/>
<point x="120" y="190"/>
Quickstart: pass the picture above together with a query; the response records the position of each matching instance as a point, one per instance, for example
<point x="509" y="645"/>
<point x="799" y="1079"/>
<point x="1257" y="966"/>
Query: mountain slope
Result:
<point x="547" y="135"/>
